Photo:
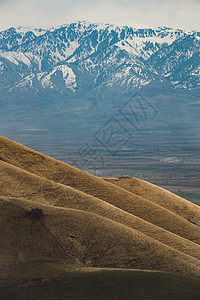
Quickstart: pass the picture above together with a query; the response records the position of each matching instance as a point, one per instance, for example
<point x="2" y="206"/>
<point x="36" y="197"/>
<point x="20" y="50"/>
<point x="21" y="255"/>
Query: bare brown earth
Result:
<point x="89" y="221"/>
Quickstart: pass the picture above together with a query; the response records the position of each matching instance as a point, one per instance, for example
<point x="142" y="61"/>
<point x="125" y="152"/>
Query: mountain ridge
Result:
<point x="92" y="48"/>
<point x="69" y="81"/>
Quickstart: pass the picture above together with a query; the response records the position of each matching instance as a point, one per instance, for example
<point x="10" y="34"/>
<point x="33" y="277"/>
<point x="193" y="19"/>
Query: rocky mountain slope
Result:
<point x="99" y="58"/>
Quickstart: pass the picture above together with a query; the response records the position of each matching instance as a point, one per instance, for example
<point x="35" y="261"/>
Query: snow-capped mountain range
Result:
<point x="90" y="58"/>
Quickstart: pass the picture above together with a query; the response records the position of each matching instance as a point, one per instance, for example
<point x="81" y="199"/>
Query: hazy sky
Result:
<point x="174" y="13"/>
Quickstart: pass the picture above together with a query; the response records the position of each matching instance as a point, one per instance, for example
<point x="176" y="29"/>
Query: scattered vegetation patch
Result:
<point x="35" y="214"/>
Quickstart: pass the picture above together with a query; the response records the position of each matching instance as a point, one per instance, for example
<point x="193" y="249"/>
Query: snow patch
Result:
<point x="1" y="67"/>
<point x="67" y="74"/>
<point x="36" y="31"/>
<point x="17" y="57"/>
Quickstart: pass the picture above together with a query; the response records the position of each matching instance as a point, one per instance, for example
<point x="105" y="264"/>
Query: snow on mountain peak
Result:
<point x="37" y="31"/>
<point x="108" y="55"/>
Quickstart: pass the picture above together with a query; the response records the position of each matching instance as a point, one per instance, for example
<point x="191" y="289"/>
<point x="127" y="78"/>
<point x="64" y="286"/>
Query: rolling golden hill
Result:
<point x="49" y="192"/>
<point x="159" y="196"/>
<point x="87" y="239"/>
<point x="51" y="212"/>
<point x="44" y="166"/>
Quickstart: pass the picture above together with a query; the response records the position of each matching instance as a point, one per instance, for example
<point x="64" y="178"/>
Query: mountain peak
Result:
<point x="111" y="56"/>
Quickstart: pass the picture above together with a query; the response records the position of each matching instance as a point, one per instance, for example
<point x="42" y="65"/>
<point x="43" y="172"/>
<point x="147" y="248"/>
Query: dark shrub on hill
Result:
<point x="35" y="214"/>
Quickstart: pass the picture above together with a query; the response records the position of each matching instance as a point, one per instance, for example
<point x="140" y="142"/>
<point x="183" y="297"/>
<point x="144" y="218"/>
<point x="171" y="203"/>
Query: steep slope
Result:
<point x="98" y="51"/>
<point x="16" y="182"/>
<point x="49" y="168"/>
<point x="22" y="239"/>
<point x="159" y="196"/>
<point x="101" y="243"/>
<point x="94" y="60"/>
<point x="179" y="62"/>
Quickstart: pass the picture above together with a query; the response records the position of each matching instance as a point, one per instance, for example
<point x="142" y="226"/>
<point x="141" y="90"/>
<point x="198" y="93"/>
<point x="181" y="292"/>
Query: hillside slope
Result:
<point x="44" y="166"/>
<point x="159" y="196"/>
<point x="51" y="210"/>
<point x="96" y="241"/>
<point x="22" y="184"/>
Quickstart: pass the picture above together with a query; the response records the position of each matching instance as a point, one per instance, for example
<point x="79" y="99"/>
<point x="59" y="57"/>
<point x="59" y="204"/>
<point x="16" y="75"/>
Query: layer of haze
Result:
<point x="173" y="13"/>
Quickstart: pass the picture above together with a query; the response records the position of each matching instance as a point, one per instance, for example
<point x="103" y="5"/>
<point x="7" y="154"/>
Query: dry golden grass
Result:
<point x="97" y="241"/>
<point x="159" y="196"/>
<point x="42" y="190"/>
<point x="54" y="170"/>
<point x="91" y="221"/>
